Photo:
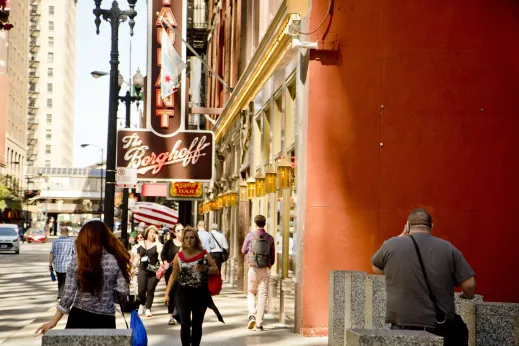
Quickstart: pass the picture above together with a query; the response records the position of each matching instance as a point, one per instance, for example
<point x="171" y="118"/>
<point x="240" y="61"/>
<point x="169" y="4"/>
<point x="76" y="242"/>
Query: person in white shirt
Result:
<point x="205" y="237"/>
<point x="220" y="249"/>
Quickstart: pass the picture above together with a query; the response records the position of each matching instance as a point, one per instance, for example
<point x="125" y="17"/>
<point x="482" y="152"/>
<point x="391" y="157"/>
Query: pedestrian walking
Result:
<point x="421" y="271"/>
<point x="220" y="249"/>
<point x="100" y="266"/>
<point x="149" y="262"/>
<point x="171" y="248"/>
<point x="259" y="246"/>
<point x="22" y="232"/>
<point x="134" y="253"/>
<point x="164" y="234"/>
<point x="192" y="298"/>
<point x="205" y="237"/>
<point x="61" y="253"/>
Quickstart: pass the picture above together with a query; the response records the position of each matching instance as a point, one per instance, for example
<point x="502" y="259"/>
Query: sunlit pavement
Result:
<point x="28" y="298"/>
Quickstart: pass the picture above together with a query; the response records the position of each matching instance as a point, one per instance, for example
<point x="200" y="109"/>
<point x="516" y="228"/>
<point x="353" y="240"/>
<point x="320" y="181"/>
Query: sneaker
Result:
<point x="141" y="309"/>
<point x="259" y="328"/>
<point x="148" y="313"/>
<point x="172" y="322"/>
<point x="252" y="322"/>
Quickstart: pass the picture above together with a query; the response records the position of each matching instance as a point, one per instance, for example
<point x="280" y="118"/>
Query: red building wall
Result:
<point x="437" y="82"/>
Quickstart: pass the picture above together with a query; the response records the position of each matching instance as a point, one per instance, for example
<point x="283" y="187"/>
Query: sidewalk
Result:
<point x="234" y="332"/>
<point x="231" y="304"/>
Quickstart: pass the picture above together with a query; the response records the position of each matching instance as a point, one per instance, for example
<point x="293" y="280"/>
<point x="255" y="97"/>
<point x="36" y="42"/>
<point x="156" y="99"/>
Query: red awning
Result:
<point x="155" y="214"/>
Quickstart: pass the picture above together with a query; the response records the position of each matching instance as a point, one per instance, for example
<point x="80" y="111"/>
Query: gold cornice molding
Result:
<point x="271" y="50"/>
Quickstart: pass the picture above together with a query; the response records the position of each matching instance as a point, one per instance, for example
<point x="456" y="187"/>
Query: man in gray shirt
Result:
<point x="408" y="303"/>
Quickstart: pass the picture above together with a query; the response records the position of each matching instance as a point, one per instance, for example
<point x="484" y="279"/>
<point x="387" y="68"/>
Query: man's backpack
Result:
<point x="260" y="251"/>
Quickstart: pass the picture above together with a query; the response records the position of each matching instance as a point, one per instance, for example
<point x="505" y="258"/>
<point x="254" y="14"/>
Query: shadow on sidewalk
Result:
<point x="233" y="306"/>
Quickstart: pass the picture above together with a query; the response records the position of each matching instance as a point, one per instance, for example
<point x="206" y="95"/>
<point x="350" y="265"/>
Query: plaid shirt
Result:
<point x="63" y="250"/>
<point x="102" y="303"/>
<point x="247" y="244"/>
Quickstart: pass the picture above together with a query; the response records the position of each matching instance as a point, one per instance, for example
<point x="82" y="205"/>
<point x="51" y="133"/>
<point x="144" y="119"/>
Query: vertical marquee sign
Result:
<point x="165" y="117"/>
<point x="164" y="151"/>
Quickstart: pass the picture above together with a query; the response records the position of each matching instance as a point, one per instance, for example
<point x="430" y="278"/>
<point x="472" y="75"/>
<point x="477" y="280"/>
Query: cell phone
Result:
<point x="407" y="228"/>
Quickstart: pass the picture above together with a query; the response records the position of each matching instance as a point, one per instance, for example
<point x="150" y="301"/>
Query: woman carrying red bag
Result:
<point x="170" y="250"/>
<point x="188" y="284"/>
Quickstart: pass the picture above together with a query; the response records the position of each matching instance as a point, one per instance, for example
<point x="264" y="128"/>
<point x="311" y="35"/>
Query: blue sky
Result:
<point x="93" y="53"/>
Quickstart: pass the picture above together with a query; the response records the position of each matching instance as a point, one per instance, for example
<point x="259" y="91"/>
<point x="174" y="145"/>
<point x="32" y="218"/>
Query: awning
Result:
<point x="155" y="214"/>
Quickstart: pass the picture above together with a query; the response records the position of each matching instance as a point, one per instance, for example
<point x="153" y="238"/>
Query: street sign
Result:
<point x="126" y="178"/>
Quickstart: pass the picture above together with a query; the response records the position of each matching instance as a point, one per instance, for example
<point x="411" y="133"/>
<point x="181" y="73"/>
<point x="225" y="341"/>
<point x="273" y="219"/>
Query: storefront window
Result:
<point x="290" y="114"/>
<point x="266" y="134"/>
<point x="276" y="131"/>
<point x="257" y="142"/>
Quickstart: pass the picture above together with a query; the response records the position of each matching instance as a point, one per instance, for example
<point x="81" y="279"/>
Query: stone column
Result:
<point x="375" y="304"/>
<point x="243" y="229"/>
<point x="346" y="298"/>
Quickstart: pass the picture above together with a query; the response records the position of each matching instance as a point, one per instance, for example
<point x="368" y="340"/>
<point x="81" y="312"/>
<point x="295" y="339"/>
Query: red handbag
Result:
<point x="162" y="270"/>
<point x="214" y="282"/>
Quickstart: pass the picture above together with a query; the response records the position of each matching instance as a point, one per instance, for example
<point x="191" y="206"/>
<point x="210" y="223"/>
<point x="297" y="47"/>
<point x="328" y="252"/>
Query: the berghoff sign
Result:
<point x="185" y="156"/>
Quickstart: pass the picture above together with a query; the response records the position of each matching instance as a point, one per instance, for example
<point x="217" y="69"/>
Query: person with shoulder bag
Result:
<point x="421" y="272"/>
<point x="149" y="262"/>
<point x="172" y="246"/>
<point x="98" y="272"/>
<point x="188" y="285"/>
<point x="220" y="249"/>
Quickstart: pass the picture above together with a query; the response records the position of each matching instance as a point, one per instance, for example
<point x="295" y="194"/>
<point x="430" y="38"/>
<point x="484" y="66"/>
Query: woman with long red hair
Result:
<point x="98" y="272"/>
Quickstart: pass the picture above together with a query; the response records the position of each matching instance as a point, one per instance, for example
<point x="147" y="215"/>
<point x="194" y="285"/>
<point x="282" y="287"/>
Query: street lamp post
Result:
<point x="114" y="16"/>
<point x="100" y="209"/>
<point x="28" y="180"/>
<point x="127" y="99"/>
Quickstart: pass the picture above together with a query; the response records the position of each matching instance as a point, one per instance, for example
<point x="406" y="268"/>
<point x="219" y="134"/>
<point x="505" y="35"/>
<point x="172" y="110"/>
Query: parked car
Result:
<point x="37" y="236"/>
<point x="9" y="238"/>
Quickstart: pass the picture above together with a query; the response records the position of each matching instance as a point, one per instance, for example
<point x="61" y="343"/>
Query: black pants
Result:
<point x="218" y="258"/>
<point x="171" y="304"/>
<point x="81" y="319"/>
<point x="61" y="283"/>
<point x="147" y="282"/>
<point x="191" y="301"/>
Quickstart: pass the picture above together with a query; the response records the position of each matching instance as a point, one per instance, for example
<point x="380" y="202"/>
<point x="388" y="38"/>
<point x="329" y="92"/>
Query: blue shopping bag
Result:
<point x="139" y="336"/>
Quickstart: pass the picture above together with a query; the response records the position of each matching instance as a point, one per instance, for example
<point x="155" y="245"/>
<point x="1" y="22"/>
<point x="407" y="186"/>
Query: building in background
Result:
<point x="378" y="109"/>
<point x="52" y="73"/>
<point x="14" y="53"/>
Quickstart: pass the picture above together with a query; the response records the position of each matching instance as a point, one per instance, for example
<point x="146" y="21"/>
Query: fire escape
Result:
<point x="197" y="20"/>
<point x="197" y="35"/>
<point x="34" y="64"/>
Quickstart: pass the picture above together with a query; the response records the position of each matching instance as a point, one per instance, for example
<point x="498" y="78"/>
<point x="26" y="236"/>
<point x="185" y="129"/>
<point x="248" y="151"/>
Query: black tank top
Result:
<point x="153" y="256"/>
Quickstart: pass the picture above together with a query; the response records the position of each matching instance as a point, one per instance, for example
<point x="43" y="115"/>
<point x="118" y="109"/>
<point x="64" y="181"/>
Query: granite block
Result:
<point x="467" y="311"/>
<point x="383" y="337"/>
<point x="88" y="337"/>
<point x="458" y="301"/>
<point x="375" y="303"/>
<point x="345" y="304"/>
<point x="497" y="324"/>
